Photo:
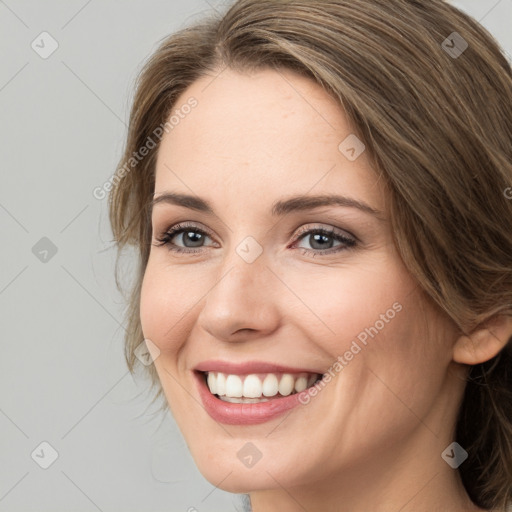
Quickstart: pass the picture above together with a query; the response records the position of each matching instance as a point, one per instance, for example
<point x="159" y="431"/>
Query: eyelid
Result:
<point x="176" y="226"/>
<point x="332" y="230"/>
<point x="296" y="234"/>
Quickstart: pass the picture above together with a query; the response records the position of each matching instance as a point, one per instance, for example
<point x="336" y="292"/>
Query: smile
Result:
<point x="251" y="393"/>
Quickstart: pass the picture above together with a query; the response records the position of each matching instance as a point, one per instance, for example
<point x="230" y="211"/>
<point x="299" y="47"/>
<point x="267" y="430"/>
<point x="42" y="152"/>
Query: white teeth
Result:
<point x="212" y="383"/>
<point x="270" y="385"/>
<point x="300" y="384"/>
<point x="234" y="386"/>
<point x="253" y="388"/>
<point x="221" y="384"/>
<point x="286" y="384"/>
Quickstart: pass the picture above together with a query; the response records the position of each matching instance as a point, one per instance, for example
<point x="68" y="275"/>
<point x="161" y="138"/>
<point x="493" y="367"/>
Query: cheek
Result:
<point x="375" y="320"/>
<point x="400" y="367"/>
<point x="166" y="298"/>
<point x="351" y="303"/>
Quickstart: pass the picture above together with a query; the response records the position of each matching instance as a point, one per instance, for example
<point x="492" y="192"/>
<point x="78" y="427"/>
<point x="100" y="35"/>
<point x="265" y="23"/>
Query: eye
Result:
<point x="191" y="237"/>
<point x="322" y="241"/>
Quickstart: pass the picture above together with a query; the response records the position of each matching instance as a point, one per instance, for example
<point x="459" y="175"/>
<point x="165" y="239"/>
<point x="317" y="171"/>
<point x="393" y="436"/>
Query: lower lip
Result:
<point x="243" y="414"/>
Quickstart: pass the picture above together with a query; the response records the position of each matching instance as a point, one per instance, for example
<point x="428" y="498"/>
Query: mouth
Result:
<point x="257" y="387"/>
<point x="251" y="393"/>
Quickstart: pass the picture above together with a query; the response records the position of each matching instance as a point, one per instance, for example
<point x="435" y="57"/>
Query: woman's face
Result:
<point x="256" y="289"/>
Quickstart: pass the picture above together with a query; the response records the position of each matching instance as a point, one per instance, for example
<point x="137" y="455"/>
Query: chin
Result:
<point x="242" y="480"/>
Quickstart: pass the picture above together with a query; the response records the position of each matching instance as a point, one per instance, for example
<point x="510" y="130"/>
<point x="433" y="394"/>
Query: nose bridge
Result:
<point x="242" y="296"/>
<point x="244" y="272"/>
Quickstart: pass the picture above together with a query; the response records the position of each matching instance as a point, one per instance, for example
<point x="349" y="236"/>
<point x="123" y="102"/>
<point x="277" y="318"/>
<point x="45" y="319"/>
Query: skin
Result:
<point x="372" y="438"/>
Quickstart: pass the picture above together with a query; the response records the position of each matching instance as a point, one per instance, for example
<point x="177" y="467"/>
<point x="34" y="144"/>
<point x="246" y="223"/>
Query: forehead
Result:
<point x="267" y="133"/>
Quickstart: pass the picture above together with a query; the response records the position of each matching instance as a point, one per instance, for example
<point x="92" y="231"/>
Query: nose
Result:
<point x="242" y="305"/>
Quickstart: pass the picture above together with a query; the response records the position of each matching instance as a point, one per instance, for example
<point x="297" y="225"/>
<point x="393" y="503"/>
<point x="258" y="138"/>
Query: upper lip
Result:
<point x="248" y="367"/>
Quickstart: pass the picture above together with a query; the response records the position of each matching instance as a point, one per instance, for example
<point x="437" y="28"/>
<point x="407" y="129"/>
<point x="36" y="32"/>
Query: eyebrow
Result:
<point x="279" y="208"/>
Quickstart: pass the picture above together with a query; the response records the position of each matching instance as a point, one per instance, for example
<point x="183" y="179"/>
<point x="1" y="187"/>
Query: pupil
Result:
<point x="193" y="237"/>
<point x="318" y="237"/>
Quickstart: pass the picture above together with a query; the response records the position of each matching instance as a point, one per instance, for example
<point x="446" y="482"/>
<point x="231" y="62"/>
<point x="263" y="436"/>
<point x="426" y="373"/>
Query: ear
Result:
<point x="485" y="342"/>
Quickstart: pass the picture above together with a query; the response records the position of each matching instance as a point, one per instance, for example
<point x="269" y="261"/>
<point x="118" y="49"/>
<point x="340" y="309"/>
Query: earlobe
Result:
<point x="484" y="342"/>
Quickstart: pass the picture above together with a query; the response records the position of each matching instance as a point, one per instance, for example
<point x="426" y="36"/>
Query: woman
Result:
<point x="317" y="191"/>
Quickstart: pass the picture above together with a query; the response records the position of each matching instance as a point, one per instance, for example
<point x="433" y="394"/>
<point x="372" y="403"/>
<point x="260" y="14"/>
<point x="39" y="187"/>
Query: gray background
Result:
<point x="62" y="374"/>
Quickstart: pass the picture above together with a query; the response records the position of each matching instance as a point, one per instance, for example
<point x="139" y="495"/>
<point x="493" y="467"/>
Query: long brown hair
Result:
<point x="429" y="92"/>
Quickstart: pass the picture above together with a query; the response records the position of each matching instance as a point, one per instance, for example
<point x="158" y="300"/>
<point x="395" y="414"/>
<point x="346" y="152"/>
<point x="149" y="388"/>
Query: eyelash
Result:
<point x="349" y="243"/>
